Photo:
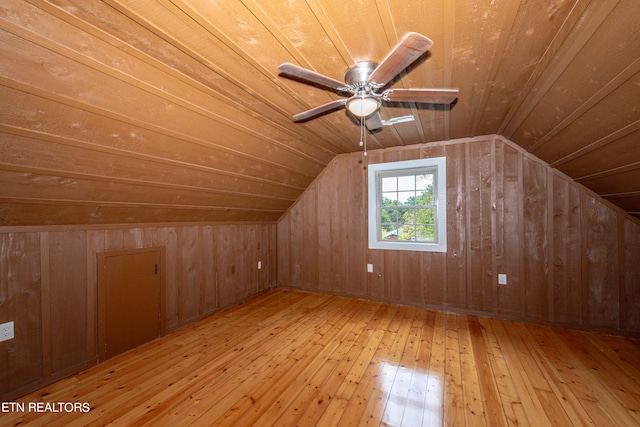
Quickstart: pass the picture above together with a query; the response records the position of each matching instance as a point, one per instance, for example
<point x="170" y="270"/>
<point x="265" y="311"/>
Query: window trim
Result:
<point x="438" y="164"/>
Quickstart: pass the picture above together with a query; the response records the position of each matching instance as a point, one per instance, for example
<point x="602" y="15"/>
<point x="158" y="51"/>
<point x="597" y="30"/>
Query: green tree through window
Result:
<point x="408" y="208"/>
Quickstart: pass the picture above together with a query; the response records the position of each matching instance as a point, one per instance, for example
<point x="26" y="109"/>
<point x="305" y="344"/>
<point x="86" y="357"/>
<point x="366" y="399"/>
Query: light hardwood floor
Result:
<point x="294" y="358"/>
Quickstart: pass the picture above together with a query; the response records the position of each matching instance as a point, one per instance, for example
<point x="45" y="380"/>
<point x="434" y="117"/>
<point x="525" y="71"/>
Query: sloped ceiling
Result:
<point x="123" y="111"/>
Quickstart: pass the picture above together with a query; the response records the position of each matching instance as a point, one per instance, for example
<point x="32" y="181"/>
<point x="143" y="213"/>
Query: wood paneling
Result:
<point x="601" y="306"/>
<point x="535" y="242"/>
<point x="565" y="251"/>
<point x="69" y="302"/>
<point x="49" y="287"/>
<point x="21" y="301"/>
<point x="630" y="270"/>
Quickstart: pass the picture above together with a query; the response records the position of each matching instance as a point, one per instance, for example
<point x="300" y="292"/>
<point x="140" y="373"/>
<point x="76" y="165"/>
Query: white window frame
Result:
<point x="439" y="166"/>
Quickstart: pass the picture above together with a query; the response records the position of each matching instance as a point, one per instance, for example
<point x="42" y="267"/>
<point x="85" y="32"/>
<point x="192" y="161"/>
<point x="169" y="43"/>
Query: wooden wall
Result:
<point x="49" y="287"/>
<point x="570" y="258"/>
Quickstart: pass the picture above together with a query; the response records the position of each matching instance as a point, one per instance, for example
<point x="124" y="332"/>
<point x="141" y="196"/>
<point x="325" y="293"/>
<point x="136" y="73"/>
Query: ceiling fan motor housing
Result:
<point x="359" y="74"/>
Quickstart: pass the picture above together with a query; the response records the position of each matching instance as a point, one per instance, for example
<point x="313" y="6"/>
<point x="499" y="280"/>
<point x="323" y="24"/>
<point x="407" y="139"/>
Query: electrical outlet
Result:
<point x="369" y="268"/>
<point x="6" y="331"/>
<point x="502" y="279"/>
<point x="259" y="265"/>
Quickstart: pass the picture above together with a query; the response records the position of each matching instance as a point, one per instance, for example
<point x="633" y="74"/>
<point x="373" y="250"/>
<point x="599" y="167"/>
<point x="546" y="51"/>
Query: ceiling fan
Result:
<point x="363" y="81"/>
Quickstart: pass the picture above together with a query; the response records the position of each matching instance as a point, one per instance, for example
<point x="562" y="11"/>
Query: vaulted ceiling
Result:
<point x="123" y="111"/>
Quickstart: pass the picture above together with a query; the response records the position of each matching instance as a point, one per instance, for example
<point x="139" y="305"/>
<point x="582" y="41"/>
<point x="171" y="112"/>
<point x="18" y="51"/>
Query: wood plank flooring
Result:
<point x="293" y="358"/>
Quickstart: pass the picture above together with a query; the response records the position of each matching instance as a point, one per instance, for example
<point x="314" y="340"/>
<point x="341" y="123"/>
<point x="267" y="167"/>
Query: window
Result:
<point x="407" y="205"/>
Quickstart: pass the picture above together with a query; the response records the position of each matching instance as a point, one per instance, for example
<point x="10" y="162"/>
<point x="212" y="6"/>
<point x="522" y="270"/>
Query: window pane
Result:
<point x="390" y="199"/>
<point x="425" y="233"/>
<point x="409" y="217"/>
<point x="408" y="234"/>
<point x="426" y="198"/>
<point x="407" y="198"/>
<point x="423" y="181"/>
<point x="389" y="216"/>
<point x="390" y="234"/>
<point x="389" y="183"/>
<point x="406" y="183"/>
<point x="425" y="216"/>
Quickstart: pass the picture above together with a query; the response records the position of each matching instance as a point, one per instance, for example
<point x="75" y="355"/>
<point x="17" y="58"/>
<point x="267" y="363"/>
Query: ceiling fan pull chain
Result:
<point x="364" y="131"/>
<point x="363" y="135"/>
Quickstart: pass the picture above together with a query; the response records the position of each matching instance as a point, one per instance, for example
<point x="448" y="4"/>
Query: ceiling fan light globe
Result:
<point x="363" y="106"/>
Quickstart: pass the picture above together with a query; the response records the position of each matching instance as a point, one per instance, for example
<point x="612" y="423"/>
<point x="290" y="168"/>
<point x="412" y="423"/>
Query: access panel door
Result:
<point x="129" y="300"/>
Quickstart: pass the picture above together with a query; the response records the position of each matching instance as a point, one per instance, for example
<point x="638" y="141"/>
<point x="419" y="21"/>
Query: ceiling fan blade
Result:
<point x="404" y="54"/>
<point x="427" y="96"/>
<point x="310" y="77"/>
<point x="315" y="112"/>
<point x="374" y="122"/>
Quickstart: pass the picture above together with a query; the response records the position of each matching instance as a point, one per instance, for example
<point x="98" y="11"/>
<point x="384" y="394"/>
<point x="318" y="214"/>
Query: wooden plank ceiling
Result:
<point x="122" y="111"/>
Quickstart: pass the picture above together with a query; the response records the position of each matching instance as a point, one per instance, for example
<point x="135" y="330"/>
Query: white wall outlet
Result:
<point x="369" y="268"/>
<point x="6" y="331"/>
<point x="502" y="279"/>
<point x="259" y="265"/>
